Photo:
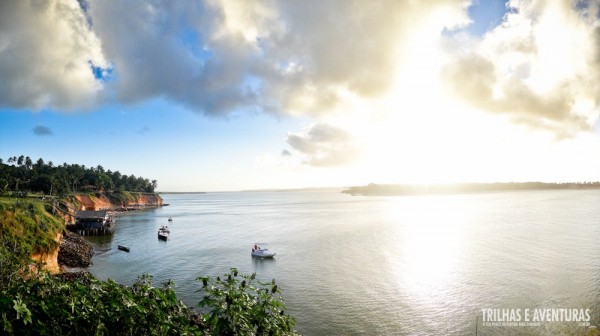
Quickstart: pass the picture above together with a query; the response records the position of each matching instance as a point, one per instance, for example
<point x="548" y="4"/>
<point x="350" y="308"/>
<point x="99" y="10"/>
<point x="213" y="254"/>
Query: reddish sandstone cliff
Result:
<point x="101" y="201"/>
<point x="49" y="260"/>
<point x="96" y="201"/>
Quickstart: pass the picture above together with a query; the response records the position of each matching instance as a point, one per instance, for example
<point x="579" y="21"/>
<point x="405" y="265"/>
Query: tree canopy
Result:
<point x="21" y="174"/>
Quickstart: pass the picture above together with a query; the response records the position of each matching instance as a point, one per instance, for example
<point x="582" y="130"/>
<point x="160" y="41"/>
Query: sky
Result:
<point x="220" y="95"/>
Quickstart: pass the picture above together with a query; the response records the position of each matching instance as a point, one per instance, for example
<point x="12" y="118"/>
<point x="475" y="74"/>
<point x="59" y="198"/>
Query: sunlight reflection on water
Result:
<point x="376" y="265"/>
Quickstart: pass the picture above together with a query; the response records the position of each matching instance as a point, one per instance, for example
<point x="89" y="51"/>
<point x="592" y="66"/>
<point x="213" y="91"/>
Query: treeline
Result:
<point x="22" y="175"/>
<point x="426" y="189"/>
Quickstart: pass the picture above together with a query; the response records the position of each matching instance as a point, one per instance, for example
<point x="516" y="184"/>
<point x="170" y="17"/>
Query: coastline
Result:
<point x="74" y="253"/>
<point x="461" y="188"/>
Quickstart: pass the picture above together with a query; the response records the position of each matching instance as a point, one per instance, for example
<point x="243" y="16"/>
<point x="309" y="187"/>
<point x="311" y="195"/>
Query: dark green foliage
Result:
<point x="49" y="305"/>
<point x="20" y="175"/>
<point x="244" y="306"/>
<point x="52" y="306"/>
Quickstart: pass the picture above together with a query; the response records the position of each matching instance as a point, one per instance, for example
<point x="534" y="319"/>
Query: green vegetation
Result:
<point x="26" y="227"/>
<point x="52" y="305"/>
<point x="241" y="305"/>
<point x="21" y="175"/>
<point x="33" y="302"/>
<point x="121" y="196"/>
<point x="49" y="305"/>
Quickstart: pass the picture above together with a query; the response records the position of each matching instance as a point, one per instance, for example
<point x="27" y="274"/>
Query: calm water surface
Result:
<point x="411" y="265"/>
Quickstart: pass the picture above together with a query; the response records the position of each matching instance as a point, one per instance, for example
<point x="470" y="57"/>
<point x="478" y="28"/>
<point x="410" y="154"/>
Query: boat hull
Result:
<point x="263" y="254"/>
<point x="123" y="248"/>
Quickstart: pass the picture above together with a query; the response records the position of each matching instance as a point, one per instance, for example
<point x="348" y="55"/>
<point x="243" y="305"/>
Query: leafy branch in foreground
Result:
<point x="50" y="305"/>
<point x="57" y="305"/>
<point x="242" y="305"/>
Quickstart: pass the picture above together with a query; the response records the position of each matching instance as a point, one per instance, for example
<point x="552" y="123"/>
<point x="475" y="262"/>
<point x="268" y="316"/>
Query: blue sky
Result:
<point x="225" y="95"/>
<point x="146" y="139"/>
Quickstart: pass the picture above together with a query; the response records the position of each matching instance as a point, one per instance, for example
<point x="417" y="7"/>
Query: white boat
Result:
<point x="259" y="251"/>
<point x="163" y="232"/>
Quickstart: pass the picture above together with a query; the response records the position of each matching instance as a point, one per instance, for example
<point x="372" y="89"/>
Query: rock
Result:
<point x="74" y="251"/>
<point x="81" y="276"/>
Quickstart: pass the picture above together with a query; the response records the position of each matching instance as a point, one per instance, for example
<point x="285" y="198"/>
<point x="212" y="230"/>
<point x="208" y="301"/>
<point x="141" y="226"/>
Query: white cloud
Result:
<point x="216" y="56"/>
<point x="540" y="67"/>
<point x="46" y="54"/>
<point x="324" y="145"/>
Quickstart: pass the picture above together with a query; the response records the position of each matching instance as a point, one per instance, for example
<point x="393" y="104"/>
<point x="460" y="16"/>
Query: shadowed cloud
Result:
<point x="42" y="130"/>
<point x="215" y="56"/>
<point x="324" y="145"/>
<point x="540" y="65"/>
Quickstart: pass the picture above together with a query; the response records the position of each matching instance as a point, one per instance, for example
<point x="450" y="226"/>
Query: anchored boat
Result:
<point x="259" y="251"/>
<point x="123" y="248"/>
<point x="163" y="232"/>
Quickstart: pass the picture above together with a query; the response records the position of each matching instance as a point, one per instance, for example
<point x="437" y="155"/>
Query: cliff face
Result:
<point x="88" y="202"/>
<point x="149" y="200"/>
<point x="50" y="259"/>
<point x="101" y="201"/>
<point x="74" y="251"/>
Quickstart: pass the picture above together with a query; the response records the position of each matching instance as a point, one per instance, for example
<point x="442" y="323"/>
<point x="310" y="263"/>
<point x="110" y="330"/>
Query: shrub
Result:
<point x="241" y="305"/>
<point x="53" y="306"/>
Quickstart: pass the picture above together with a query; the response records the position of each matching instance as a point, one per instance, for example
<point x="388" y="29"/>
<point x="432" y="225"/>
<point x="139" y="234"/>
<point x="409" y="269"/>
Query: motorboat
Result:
<point x="163" y="233"/>
<point x="123" y="248"/>
<point x="261" y="252"/>
<point x="170" y="219"/>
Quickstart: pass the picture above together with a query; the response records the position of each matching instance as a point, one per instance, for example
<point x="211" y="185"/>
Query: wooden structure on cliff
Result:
<point x="93" y="223"/>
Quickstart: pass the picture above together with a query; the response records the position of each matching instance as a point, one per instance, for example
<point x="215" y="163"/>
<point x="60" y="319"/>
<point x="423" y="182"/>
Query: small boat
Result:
<point x="259" y="251"/>
<point x="170" y="219"/>
<point x="163" y="233"/>
<point x="123" y="248"/>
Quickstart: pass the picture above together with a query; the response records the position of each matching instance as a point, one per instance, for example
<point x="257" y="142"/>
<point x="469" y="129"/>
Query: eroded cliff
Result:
<point x="116" y="201"/>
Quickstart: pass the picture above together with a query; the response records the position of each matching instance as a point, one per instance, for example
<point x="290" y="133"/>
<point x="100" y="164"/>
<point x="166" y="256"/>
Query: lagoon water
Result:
<point x="402" y="265"/>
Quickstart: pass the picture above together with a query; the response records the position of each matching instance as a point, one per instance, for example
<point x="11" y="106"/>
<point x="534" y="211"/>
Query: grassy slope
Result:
<point x="28" y="222"/>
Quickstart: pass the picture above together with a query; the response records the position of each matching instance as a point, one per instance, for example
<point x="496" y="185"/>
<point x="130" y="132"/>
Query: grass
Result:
<point x="29" y="222"/>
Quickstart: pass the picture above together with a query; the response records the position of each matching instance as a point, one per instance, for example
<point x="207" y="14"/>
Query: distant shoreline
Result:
<point x="461" y="188"/>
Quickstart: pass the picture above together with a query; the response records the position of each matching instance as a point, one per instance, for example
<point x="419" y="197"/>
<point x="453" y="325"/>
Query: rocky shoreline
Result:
<point x="74" y="251"/>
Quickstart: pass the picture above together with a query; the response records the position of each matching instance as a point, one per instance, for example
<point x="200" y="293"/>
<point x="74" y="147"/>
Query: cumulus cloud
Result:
<point x="324" y="145"/>
<point x="42" y="130"/>
<point x="540" y="66"/>
<point x="215" y="56"/>
<point x="46" y="55"/>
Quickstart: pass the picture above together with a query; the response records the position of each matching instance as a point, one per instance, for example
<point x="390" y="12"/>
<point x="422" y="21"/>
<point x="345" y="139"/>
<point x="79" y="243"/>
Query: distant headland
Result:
<point x="461" y="188"/>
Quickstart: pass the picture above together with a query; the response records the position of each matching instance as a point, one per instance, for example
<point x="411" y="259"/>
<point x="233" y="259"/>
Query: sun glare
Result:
<point x="426" y="136"/>
<point x="432" y="241"/>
